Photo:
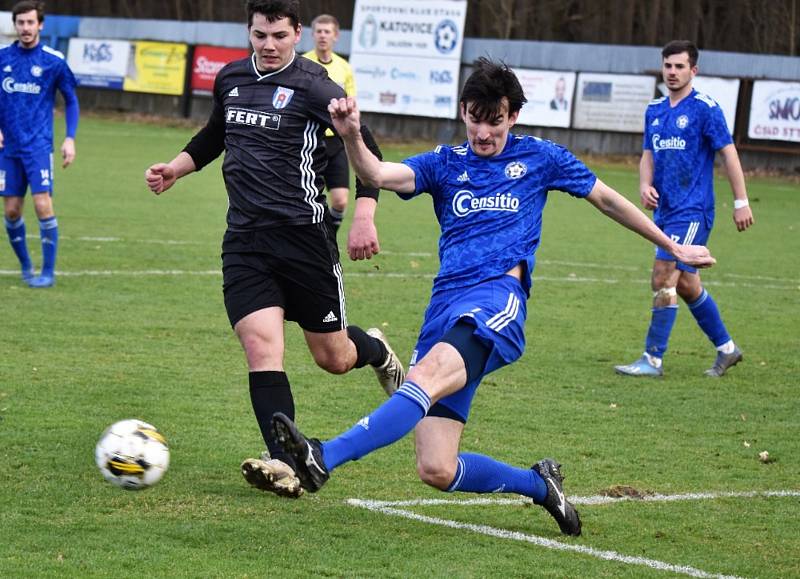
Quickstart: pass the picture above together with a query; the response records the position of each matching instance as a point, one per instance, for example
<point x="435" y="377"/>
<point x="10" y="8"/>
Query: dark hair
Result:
<point x="274" y="10"/>
<point x="486" y="87"/>
<point x="26" y="6"/>
<point x="325" y="19"/>
<point x="679" y="47"/>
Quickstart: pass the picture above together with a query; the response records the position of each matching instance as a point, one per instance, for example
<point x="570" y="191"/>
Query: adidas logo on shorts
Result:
<point x="331" y="317"/>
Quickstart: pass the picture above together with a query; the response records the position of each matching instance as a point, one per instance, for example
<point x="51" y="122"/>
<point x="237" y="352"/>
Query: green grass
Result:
<point x="117" y="339"/>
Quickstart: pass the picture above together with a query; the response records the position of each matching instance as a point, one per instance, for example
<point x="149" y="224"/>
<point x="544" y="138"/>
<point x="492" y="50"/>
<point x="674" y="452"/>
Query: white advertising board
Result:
<point x="612" y="102"/>
<point x="411" y="86"/>
<point x="99" y="63"/>
<point x="549" y="95"/>
<point x="775" y="111"/>
<point x="406" y="55"/>
<point x="724" y="91"/>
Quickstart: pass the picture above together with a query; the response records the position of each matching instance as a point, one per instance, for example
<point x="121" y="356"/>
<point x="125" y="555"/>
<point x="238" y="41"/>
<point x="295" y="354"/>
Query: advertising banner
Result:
<point x="724" y="91"/>
<point x="411" y="86"/>
<point x="612" y="102"/>
<point x="207" y="62"/>
<point x="157" y="68"/>
<point x="99" y="63"/>
<point x="406" y="55"/>
<point x="549" y="95"/>
<point x="7" y="32"/>
<point x="775" y="111"/>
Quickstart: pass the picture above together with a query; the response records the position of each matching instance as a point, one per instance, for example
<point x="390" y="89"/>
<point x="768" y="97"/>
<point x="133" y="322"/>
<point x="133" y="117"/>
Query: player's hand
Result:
<point x="160" y="177"/>
<point x="362" y="241"/>
<point x="743" y="218"/>
<point x="649" y="197"/>
<point x="67" y="152"/>
<point x="345" y="116"/>
<point x="694" y="255"/>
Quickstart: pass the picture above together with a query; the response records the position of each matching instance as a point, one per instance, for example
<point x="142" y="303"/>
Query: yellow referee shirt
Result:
<point x="339" y="72"/>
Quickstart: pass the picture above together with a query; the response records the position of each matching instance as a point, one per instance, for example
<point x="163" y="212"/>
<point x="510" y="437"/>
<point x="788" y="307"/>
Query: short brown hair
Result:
<point x="679" y="47"/>
<point x="26" y="6"/>
<point x="325" y="19"/>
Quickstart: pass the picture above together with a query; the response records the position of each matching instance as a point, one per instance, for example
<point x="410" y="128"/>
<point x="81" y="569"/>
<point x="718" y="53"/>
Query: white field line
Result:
<point x="390" y="508"/>
<point x="537" y="278"/>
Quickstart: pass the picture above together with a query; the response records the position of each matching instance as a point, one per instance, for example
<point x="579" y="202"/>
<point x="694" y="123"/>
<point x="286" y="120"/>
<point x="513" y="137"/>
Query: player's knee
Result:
<point x="260" y="353"/>
<point x="664" y="296"/>
<point x="330" y="362"/>
<point x="13" y="213"/>
<point x="437" y="475"/>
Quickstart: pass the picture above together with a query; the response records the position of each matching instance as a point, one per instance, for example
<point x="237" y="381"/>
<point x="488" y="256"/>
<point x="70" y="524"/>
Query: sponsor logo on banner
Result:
<point x="208" y="61"/>
<point x="400" y="74"/>
<point x="442" y="101"/>
<point x="97" y="52"/>
<point x="368" y="34"/>
<point x="388" y="98"/>
<point x="446" y="36"/>
<point x="441" y="77"/>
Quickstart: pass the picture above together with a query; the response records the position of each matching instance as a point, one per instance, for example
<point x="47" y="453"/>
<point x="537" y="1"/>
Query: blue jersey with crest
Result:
<point x="490" y="208"/>
<point x="29" y="80"/>
<point x="683" y="140"/>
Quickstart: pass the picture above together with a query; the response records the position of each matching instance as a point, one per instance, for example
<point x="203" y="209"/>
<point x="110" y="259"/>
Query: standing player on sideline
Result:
<point x="676" y="178"/>
<point x="325" y="30"/>
<point x="488" y="195"/>
<point x="279" y="258"/>
<point x="30" y="73"/>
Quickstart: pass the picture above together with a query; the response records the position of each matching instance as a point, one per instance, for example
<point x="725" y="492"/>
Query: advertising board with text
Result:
<point x="612" y="102"/>
<point x="207" y="62"/>
<point x="406" y="55"/>
<point x="549" y="95"/>
<point x="99" y="63"/>
<point x="775" y="111"/>
<point x="157" y="68"/>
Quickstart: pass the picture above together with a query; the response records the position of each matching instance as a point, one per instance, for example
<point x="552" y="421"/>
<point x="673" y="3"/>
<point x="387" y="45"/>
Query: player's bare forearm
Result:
<point x="647" y="193"/>
<point x="362" y="240"/>
<point x="742" y="213"/>
<point x="618" y="208"/>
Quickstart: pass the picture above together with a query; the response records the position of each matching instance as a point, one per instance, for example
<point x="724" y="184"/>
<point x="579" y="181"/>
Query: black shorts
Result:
<point x="337" y="173"/>
<point x="296" y="268"/>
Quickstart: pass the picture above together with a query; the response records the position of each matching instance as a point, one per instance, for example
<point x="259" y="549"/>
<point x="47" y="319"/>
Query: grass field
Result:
<point x="135" y="327"/>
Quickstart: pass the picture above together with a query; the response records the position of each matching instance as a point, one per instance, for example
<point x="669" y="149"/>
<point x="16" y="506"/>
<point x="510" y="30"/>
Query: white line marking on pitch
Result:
<point x="390" y="508"/>
<point x="537" y="278"/>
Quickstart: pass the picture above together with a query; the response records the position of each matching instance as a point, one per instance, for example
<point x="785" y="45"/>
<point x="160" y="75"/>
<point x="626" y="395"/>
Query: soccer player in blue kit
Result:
<point x="488" y="195"/>
<point x="683" y="130"/>
<point x="30" y="73"/>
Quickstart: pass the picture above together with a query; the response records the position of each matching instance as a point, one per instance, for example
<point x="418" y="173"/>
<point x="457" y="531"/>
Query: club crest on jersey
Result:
<point x="282" y="97"/>
<point x="516" y="169"/>
<point x="682" y="121"/>
<point x="36" y="70"/>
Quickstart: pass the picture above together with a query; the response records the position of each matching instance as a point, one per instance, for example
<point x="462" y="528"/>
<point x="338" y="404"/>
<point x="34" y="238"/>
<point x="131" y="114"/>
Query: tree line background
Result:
<point x="757" y="26"/>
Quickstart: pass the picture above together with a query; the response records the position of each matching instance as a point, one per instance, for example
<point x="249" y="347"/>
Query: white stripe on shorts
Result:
<point x="501" y="320"/>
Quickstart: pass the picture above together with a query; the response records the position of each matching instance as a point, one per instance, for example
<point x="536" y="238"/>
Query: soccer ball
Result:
<point x="132" y="454"/>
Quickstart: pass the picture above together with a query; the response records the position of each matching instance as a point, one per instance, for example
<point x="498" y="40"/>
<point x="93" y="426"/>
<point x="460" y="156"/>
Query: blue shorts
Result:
<point x="685" y="233"/>
<point x="18" y="173"/>
<point x="497" y="308"/>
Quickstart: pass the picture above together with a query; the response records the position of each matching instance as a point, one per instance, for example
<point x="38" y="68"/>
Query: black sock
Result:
<point x="270" y="393"/>
<point x="369" y="350"/>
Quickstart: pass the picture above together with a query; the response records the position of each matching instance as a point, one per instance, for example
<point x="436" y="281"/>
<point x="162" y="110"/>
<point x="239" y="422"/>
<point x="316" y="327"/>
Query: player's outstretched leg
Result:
<point x="272" y="475"/>
<point x="306" y="452"/>
<point x="556" y="503"/>
<point x="390" y="373"/>
<point x="725" y="361"/>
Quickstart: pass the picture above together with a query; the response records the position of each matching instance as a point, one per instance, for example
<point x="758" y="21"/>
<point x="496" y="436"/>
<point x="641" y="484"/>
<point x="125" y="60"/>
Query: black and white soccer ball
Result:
<point x="132" y="454"/>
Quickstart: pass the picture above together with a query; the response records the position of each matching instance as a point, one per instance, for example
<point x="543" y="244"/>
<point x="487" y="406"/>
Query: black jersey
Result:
<point x="271" y="127"/>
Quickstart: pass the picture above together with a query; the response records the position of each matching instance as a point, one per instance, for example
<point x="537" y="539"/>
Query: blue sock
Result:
<point x="660" y="327"/>
<point x="477" y="473"/>
<point x="16" y="235"/>
<point x="48" y="230"/>
<point x="390" y="422"/>
<point x="706" y="312"/>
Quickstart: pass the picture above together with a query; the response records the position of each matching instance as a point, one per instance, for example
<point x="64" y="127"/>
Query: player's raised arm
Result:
<point x="618" y="208"/>
<point x="371" y="170"/>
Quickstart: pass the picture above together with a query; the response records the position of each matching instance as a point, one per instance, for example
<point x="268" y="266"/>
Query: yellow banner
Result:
<point x="156" y="67"/>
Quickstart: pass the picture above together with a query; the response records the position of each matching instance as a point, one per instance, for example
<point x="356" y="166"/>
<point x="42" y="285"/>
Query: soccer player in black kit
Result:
<point x="279" y="257"/>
